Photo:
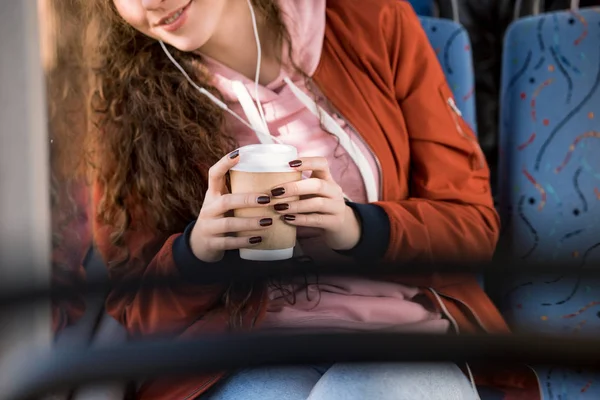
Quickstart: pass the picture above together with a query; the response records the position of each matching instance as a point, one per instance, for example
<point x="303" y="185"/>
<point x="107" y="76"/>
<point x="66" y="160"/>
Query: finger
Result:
<point x="228" y="202"/>
<point x="311" y="186"/>
<point x="233" y="243"/>
<point x="318" y="165"/>
<point x="217" y="173"/>
<point x="321" y="221"/>
<point x="321" y="205"/>
<point x="232" y="225"/>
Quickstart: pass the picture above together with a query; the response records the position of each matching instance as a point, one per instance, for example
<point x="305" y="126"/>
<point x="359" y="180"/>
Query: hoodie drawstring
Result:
<point x="258" y="123"/>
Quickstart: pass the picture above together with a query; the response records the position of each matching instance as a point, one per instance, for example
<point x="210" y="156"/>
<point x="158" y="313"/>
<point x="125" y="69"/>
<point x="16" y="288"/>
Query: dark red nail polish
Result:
<point x="255" y="240"/>
<point x="263" y="200"/>
<point x="281" y="207"/>
<point x="289" y="217"/>
<point x="234" y="154"/>
<point x="295" y="163"/>
<point x="278" y="192"/>
<point x="266" y="222"/>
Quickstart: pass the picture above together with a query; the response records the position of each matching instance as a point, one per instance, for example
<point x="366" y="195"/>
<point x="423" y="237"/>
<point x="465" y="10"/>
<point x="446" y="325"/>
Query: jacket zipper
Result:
<point x="539" y="381"/>
<point x="481" y="324"/>
<point x="364" y="142"/>
<point x="455" y="325"/>
<point x="357" y="134"/>
<point x="195" y="391"/>
<point x="445" y="310"/>
<point x="479" y="321"/>
<point x="454" y="107"/>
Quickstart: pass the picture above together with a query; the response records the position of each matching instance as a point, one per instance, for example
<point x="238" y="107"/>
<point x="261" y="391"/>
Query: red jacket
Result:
<point x="380" y="72"/>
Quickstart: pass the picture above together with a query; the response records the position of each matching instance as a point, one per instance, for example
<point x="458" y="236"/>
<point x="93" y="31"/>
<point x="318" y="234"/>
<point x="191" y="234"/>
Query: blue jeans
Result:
<point x="419" y="381"/>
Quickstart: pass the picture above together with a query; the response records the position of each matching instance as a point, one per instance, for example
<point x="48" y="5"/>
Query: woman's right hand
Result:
<point x="211" y="236"/>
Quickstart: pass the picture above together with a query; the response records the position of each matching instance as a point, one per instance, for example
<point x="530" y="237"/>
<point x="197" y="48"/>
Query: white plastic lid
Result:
<point x="266" y="255"/>
<point x="266" y="158"/>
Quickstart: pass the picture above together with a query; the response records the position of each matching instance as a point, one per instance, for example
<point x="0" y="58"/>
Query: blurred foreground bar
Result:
<point x="137" y="360"/>
<point x="12" y="295"/>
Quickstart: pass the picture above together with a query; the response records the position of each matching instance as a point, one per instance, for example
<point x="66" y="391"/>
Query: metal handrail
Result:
<point x="535" y="7"/>
<point x="449" y="9"/>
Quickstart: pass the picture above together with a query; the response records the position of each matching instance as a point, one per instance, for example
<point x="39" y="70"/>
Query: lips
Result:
<point x="173" y="17"/>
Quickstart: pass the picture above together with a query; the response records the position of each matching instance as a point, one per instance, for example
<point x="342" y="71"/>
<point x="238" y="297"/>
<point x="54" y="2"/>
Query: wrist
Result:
<point x="188" y="263"/>
<point x="348" y="234"/>
<point x="375" y="232"/>
<point x="200" y="251"/>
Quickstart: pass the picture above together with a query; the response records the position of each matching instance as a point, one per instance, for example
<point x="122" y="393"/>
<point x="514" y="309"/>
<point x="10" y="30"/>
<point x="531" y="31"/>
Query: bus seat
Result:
<point x="549" y="183"/>
<point x="452" y="46"/>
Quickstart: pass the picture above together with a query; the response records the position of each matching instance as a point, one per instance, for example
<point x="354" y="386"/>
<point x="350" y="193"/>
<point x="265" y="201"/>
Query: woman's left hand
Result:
<point x="321" y="204"/>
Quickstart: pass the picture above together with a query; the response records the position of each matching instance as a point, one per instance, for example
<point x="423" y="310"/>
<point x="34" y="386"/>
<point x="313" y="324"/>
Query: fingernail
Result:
<point x="289" y="217"/>
<point x="263" y="200"/>
<point x="234" y="154"/>
<point x="278" y="192"/>
<point x="266" y="222"/>
<point x="281" y="207"/>
<point x="255" y="240"/>
<point x="295" y="163"/>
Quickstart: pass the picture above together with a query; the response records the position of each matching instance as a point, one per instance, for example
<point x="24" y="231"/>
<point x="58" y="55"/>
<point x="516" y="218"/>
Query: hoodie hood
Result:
<point x="305" y="21"/>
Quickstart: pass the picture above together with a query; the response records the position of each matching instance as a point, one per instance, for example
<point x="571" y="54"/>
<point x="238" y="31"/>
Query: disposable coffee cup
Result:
<point x="263" y="167"/>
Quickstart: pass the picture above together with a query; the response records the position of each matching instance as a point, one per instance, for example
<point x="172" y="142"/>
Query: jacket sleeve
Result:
<point x="450" y="214"/>
<point x="152" y="310"/>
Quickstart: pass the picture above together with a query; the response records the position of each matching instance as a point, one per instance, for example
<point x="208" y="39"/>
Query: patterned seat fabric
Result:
<point x="549" y="186"/>
<point x="453" y="48"/>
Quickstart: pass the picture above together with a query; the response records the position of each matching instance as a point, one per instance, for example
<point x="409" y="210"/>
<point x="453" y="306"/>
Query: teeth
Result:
<point x="173" y="18"/>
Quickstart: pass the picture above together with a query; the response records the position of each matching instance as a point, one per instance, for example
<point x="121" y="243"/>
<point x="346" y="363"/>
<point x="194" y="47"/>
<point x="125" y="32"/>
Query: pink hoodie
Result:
<point x="344" y="303"/>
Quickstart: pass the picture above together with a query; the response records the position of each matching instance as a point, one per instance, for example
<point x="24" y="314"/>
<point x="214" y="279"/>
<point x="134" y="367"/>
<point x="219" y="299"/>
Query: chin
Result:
<point x="184" y="44"/>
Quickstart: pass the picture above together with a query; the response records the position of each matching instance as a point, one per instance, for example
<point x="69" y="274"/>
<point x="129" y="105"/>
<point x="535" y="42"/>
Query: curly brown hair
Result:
<point x="65" y="88"/>
<point x="154" y="136"/>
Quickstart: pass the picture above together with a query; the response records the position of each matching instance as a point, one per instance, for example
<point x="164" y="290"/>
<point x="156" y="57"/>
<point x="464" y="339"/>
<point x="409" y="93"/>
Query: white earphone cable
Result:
<point x="208" y="94"/>
<point x="256" y="118"/>
<point x="258" y="64"/>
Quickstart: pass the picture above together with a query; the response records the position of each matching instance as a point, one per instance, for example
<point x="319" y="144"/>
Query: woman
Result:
<point x="180" y="84"/>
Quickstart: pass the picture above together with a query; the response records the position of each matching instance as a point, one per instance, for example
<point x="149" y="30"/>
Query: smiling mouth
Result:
<point x="173" y="17"/>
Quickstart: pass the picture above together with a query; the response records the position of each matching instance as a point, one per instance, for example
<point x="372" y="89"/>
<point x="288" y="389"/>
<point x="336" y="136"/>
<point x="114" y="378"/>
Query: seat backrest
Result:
<point x="549" y="169"/>
<point x="453" y="48"/>
<point x="549" y="137"/>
